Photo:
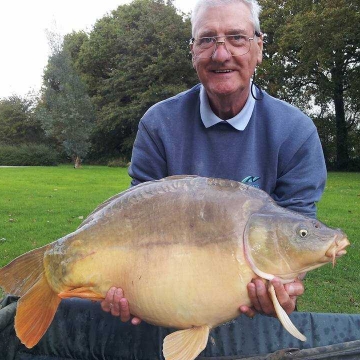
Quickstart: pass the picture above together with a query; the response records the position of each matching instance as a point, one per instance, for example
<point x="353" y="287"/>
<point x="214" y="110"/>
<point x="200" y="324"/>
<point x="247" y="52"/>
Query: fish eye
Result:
<point x="303" y="233"/>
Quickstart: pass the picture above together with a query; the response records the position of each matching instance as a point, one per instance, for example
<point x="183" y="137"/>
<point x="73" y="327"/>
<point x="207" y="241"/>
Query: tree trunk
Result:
<point x="77" y="164"/>
<point x="342" y="154"/>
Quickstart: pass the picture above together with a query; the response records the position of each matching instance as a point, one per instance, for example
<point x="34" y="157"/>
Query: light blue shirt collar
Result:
<point x="239" y="121"/>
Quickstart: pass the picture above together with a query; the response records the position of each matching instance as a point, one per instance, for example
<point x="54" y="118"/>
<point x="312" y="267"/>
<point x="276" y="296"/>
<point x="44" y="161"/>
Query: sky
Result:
<point x="24" y="48"/>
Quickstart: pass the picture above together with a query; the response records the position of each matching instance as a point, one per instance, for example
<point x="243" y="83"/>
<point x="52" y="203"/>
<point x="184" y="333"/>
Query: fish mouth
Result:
<point x="337" y="249"/>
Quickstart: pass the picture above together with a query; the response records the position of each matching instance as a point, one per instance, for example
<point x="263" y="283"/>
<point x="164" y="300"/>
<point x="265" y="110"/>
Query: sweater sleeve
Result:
<point x="301" y="182"/>
<point x="148" y="161"/>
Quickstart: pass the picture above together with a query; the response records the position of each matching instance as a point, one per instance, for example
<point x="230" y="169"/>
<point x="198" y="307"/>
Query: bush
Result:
<point x="120" y="162"/>
<point x="28" y="155"/>
<point x="354" y="165"/>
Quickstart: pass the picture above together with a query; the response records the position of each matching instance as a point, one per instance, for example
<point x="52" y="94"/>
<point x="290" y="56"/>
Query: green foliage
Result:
<point x="119" y="162"/>
<point x="307" y="62"/>
<point x="18" y="124"/>
<point x="28" y="155"/>
<point x="73" y="43"/>
<point x="134" y="58"/>
<point x="139" y="55"/>
<point x="65" y="111"/>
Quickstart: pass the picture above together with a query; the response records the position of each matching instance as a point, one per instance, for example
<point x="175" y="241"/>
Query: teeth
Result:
<point x="223" y="71"/>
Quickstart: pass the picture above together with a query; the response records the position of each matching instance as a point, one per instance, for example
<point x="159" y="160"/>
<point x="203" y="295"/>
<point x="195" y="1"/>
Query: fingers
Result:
<point x="117" y="305"/>
<point x="261" y="301"/>
<point x="256" y="306"/>
<point x="286" y="301"/>
<point x="295" y="288"/>
<point x="251" y="287"/>
<point x="260" y="298"/>
<point x="135" y="321"/>
<point x="107" y="303"/>
<point x="124" y="309"/>
<point x="248" y="311"/>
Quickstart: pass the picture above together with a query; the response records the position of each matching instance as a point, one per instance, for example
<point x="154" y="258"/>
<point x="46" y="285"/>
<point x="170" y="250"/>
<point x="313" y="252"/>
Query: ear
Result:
<point x="192" y="56"/>
<point x="260" y="44"/>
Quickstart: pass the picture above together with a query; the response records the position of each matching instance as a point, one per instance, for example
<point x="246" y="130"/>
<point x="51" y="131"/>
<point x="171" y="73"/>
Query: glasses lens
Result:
<point x="236" y="45"/>
<point x="204" y="47"/>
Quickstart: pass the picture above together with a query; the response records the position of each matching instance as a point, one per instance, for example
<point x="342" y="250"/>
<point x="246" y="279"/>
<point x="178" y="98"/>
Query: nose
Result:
<point x="221" y="53"/>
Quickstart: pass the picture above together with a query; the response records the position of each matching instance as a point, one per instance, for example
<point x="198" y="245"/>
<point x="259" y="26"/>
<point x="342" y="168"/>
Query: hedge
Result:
<point x="28" y="155"/>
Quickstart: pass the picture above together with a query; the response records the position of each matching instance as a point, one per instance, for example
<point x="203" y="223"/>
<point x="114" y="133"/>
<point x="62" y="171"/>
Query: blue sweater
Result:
<point x="279" y="151"/>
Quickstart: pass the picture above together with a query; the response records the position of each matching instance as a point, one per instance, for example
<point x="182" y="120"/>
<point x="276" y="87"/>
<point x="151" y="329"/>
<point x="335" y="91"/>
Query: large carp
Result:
<point x="183" y="249"/>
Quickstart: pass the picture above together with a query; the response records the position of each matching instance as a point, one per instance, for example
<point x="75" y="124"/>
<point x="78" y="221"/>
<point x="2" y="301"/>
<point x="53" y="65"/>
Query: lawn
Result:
<point x="338" y="289"/>
<point x="41" y="204"/>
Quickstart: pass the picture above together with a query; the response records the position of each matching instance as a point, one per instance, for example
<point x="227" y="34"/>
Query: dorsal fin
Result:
<point x="91" y="216"/>
<point x="186" y="344"/>
<point x="179" y="177"/>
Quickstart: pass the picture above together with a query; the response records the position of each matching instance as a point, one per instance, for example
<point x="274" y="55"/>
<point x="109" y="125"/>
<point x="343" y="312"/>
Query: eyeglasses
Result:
<point x="235" y="45"/>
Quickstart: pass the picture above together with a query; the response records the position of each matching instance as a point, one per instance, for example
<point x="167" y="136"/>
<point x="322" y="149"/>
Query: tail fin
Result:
<point x="36" y="308"/>
<point x="35" y="312"/>
<point x="22" y="273"/>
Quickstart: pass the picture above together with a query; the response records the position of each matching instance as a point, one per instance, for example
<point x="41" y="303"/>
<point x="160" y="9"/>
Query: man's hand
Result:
<point x="260" y="298"/>
<point x="116" y="303"/>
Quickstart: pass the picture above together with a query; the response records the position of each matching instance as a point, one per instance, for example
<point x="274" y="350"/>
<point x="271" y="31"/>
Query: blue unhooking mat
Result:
<point x="82" y="331"/>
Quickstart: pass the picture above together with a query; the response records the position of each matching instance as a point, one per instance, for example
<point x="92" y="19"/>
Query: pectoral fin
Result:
<point x="186" y="344"/>
<point x="283" y="316"/>
<point x="81" y="292"/>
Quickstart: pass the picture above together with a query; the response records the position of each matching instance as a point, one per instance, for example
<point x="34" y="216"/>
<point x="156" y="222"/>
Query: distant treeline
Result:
<point x="97" y="85"/>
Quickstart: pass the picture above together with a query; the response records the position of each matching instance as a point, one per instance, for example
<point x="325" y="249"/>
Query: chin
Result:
<point x="224" y="90"/>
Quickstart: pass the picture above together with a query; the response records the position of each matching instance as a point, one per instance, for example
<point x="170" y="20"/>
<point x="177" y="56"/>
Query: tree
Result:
<point x="135" y="57"/>
<point x="65" y="109"/>
<point x="73" y="43"/>
<point x="312" y="57"/>
<point x="18" y="124"/>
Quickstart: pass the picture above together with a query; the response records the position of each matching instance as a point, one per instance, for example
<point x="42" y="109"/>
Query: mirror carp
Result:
<point x="183" y="249"/>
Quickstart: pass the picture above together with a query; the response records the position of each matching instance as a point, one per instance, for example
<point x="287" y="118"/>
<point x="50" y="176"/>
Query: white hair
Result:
<point x="251" y="4"/>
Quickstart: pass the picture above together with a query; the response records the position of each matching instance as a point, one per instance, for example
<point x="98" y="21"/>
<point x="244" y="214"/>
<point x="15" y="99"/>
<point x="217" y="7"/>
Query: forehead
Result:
<point x="222" y="19"/>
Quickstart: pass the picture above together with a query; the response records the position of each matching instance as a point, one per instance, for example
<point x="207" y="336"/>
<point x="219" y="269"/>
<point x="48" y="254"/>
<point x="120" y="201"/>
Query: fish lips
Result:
<point x="337" y="248"/>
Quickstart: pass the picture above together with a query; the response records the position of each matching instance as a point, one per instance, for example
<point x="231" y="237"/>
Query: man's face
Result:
<point x="223" y="74"/>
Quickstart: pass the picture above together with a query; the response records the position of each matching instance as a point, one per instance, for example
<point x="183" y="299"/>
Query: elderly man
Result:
<point x="227" y="127"/>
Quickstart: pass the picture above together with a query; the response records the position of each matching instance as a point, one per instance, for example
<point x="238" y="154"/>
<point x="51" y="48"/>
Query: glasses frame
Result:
<point x="217" y="42"/>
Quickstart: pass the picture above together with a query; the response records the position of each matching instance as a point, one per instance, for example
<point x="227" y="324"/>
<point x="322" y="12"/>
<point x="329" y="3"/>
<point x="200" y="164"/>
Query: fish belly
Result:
<point x="174" y="285"/>
<point x="181" y="286"/>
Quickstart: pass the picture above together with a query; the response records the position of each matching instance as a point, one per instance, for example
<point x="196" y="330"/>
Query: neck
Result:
<point x="228" y="106"/>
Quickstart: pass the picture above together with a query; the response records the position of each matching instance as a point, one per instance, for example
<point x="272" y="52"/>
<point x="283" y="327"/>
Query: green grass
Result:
<point x="338" y="289"/>
<point x="41" y="204"/>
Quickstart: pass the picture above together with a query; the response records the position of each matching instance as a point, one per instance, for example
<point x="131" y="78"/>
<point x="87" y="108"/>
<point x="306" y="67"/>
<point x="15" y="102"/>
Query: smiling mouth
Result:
<point x="222" y="71"/>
